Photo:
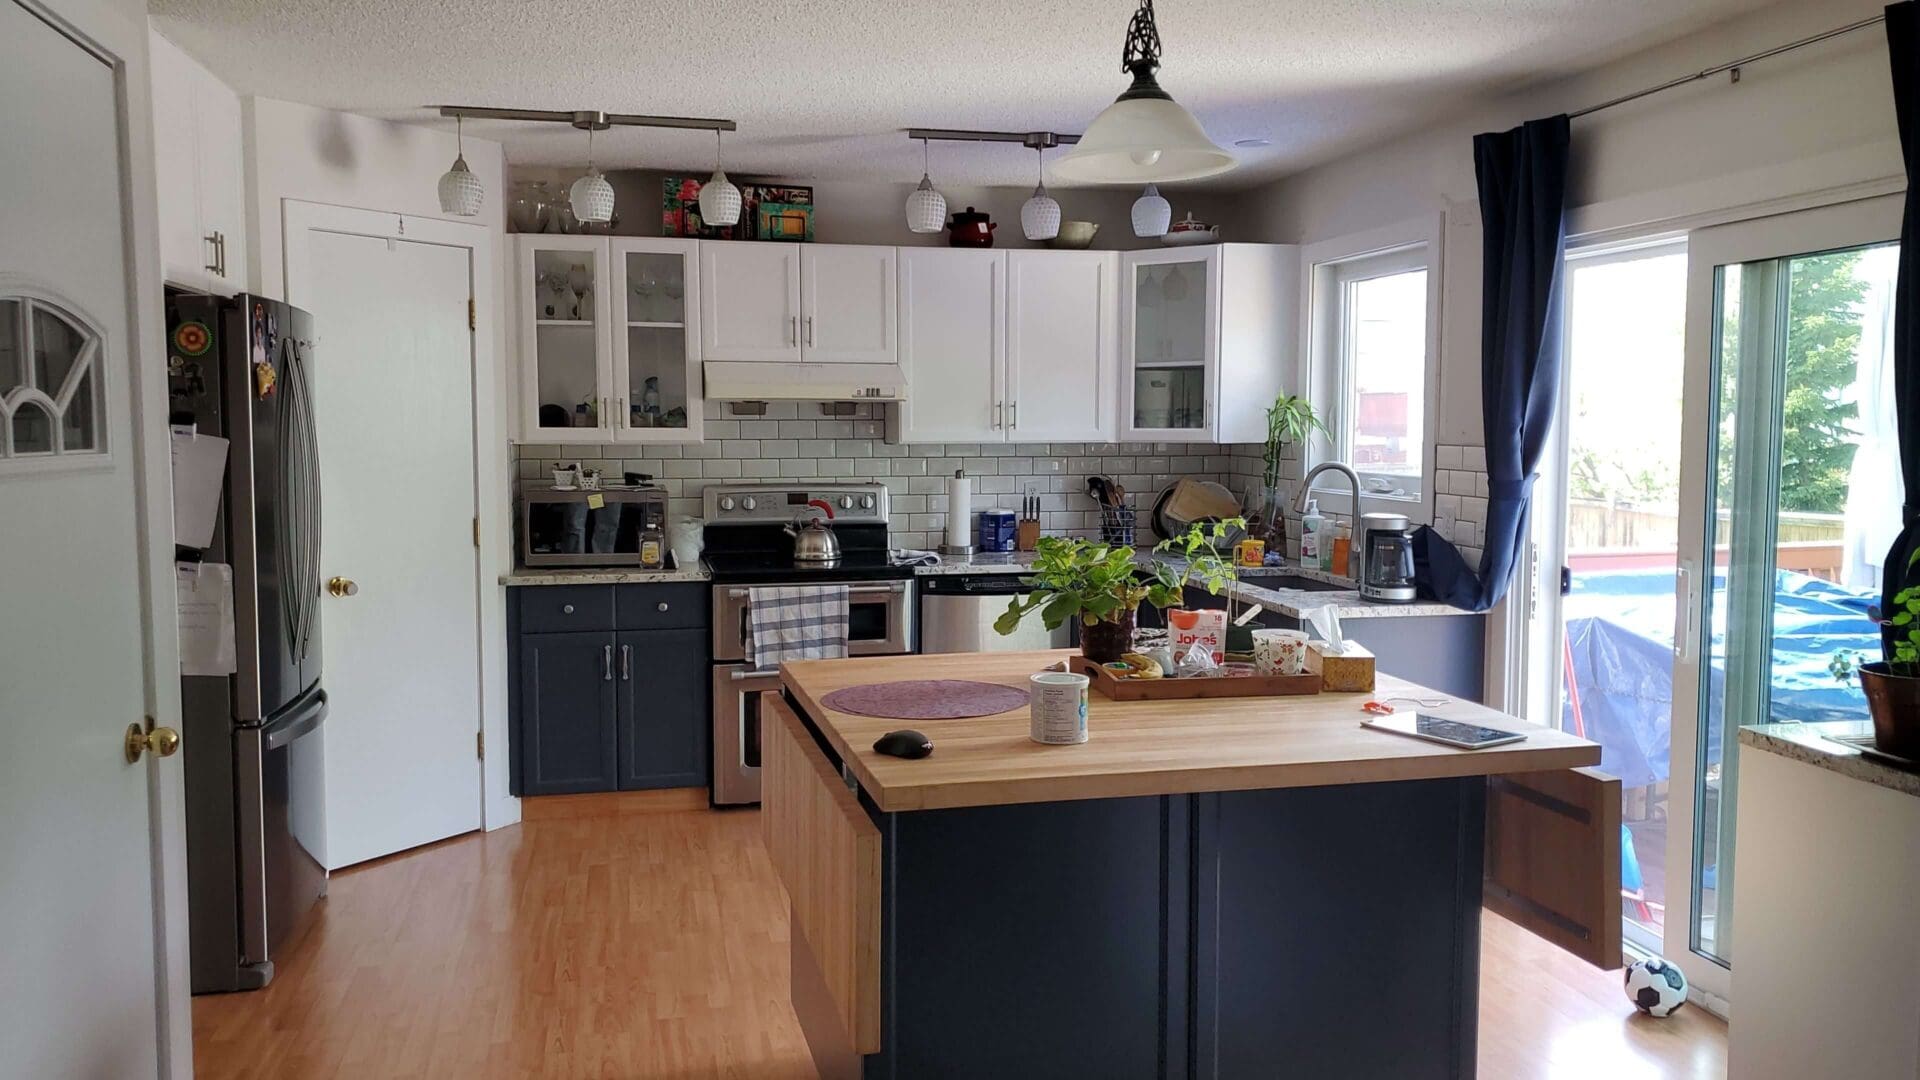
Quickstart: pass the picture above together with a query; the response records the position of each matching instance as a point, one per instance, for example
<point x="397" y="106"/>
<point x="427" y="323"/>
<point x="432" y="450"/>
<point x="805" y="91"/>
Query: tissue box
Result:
<point x="1349" y="672"/>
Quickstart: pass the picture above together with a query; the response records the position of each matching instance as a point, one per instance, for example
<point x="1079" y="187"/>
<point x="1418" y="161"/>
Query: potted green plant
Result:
<point x="1290" y="420"/>
<point x="1892" y="685"/>
<point x="1103" y="586"/>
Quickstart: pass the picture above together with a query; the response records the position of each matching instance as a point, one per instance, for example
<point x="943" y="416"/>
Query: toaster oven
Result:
<point x="612" y="526"/>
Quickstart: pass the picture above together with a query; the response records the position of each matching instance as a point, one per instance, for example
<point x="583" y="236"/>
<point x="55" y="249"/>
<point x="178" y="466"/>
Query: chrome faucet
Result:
<point x="1306" y="486"/>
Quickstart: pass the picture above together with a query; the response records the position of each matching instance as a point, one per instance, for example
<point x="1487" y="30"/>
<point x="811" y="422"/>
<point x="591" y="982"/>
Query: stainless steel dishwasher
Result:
<point x="957" y="613"/>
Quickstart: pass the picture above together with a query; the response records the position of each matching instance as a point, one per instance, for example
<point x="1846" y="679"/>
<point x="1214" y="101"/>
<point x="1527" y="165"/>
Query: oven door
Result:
<point x="879" y="619"/>
<point x="738" y="693"/>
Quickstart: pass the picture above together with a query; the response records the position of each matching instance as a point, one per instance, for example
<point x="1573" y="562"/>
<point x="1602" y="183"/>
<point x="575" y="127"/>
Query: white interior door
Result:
<point x="1787" y="327"/>
<point x="77" y="942"/>
<point x="953" y="344"/>
<point x="750" y="302"/>
<point x="1063" y="355"/>
<point x="394" y="409"/>
<point x="847" y="311"/>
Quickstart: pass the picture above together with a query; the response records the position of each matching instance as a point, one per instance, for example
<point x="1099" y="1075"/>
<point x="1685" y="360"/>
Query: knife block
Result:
<point x="1026" y="535"/>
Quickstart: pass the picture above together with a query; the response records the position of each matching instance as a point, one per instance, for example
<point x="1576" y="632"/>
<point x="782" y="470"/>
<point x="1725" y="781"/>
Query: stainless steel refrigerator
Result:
<point x="240" y="368"/>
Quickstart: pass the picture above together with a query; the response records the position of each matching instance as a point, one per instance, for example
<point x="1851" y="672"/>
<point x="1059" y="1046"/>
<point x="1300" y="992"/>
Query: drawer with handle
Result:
<point x="660" y="607"/>
<point x="548" y="609"/>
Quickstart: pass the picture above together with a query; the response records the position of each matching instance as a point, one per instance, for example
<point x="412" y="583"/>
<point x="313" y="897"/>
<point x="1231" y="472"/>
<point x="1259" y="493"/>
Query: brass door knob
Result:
<point x="340" y="586"/>
<point x="161" y="742"/>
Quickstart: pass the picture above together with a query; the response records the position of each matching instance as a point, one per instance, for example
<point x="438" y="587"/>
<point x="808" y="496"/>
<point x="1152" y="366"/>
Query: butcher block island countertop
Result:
<point x="1147" y="747"/>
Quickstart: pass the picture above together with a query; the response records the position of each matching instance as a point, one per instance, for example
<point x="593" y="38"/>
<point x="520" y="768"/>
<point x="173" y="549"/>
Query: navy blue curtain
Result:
<point x="1523" y="199"/>
<point x="1903" y="43"/>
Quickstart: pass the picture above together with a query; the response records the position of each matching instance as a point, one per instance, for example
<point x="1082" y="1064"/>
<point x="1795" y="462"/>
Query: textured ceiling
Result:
<point x="821" y="88"/>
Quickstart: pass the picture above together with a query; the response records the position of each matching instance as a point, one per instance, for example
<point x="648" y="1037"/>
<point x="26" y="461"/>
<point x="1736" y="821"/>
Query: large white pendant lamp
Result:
<point x="1040" y="215"/>
<point x="926" y="208"/>
<point x="591" y="196"/>
<point x="1144" y="137"/>
<point x="460" y="190"/>
<point x="719" y="199"/>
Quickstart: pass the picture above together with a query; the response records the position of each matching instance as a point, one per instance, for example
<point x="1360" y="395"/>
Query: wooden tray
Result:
<point x="1117" y="689"/>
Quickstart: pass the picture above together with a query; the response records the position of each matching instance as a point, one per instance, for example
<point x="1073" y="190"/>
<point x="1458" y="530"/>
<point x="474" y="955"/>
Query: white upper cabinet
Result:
<point x="1207" y="341"/>
<point x="953" y="304"/>
<point x="200" y="173"/>
<point x="847" y="309"/>
<point x="606" y="351"/>
<point x="750" y="302"/>
<point x="1062" y="345"/>
<point x="1016" y="346"/>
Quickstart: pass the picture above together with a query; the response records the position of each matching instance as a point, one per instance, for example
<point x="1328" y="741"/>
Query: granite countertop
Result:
<point x="605" y="575"/>
<point x="1809" y="743"/>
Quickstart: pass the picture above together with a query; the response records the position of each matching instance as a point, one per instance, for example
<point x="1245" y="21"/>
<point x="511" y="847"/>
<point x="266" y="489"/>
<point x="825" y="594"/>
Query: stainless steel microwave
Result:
<point x="603" y="527"/>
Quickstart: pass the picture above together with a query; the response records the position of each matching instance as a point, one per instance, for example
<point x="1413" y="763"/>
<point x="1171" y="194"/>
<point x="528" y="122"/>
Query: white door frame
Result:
<point x="493" y="470"/>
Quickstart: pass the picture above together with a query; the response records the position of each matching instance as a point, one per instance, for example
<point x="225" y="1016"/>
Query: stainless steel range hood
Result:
<point x="744" y="381"/>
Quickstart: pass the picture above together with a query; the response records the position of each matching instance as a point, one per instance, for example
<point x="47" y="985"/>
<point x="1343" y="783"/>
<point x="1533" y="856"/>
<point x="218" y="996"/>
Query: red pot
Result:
<point x="1894" y="701"/>
<point x="971" y="228"/>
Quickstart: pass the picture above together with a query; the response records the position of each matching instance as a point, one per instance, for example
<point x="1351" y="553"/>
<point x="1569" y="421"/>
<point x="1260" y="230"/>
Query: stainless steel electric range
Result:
<point x="746" y="544"/>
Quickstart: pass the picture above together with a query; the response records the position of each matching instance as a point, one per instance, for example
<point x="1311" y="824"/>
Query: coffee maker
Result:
<point x="1386" y="559"/>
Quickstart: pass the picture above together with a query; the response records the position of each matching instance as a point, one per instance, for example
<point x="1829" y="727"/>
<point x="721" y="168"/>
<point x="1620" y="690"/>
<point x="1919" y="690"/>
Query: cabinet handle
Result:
<point x="606" y="664"/>
<point x="793" y="329"/>
<point x="566" y="609"/>
<point x="626" y="665"/>
<point x="1013" y="415"/>
<point x="606" y="417"/>
<point x="664" y="605"/>
<point x="809" y="331"/>
<point x="621" y="412"/>
<point x="998" y="408"/>
<point x="217" y="243"/>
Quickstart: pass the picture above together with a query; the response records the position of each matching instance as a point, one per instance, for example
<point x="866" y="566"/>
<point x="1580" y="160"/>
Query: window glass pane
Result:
<point x="77" y="423"/>
<point x="1170" y="345"/>
<point x="566" y="361"/>
<point x="10" y="369"/>
<point x="56" y="346"/>
<point x="1385" y="348"/>
<point x="32" y="429"/>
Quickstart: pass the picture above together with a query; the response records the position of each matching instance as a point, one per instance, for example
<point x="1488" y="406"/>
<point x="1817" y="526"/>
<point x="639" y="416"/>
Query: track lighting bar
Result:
<point x="588" y="119"/>
<point x="1032" y="140"/>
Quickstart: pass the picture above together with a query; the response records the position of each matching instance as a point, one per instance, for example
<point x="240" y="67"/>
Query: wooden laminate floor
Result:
<point x="644" y="936"/>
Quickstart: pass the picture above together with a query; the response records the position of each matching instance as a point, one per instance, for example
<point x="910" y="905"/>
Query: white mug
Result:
<point x="1057" y="707"/>
<point x="1280" y="652"/>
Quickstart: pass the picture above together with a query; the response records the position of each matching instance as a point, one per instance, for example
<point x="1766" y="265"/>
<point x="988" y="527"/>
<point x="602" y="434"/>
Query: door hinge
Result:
<point x="476" y="532"/>
<point x="480" y="745"/>
<point x="471" y="325"/>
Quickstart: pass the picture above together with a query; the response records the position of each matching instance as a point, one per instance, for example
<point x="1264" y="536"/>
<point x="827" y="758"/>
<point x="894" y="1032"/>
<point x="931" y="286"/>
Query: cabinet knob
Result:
<point x="566" y="609"/>
<point x="664" y="605"/>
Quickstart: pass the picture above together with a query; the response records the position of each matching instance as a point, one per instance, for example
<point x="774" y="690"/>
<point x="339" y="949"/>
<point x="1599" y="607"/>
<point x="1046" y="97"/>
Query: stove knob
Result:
<point x="846" y="502"/>
<point x="866" y="502"/>
<point x="747" y="503"/>
<point x="726" y="502"/>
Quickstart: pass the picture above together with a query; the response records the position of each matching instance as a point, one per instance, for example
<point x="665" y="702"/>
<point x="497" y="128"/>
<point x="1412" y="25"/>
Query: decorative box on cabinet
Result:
<point x="606" y="350"/>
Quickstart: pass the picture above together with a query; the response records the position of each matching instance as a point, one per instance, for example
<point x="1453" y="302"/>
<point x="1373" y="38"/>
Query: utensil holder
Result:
<point x="1116" y="525"/>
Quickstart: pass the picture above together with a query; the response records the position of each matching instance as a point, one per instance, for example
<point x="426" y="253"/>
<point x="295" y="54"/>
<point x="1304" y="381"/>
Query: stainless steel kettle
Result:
<point x="813" y="540"/>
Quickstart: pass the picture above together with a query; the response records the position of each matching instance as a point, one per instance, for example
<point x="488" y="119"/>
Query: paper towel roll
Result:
<point x="960" y="511"/>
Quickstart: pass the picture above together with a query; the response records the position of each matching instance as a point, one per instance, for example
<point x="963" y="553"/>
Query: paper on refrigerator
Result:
<point x="204" y="595"/>
<point x="199" y="470"/>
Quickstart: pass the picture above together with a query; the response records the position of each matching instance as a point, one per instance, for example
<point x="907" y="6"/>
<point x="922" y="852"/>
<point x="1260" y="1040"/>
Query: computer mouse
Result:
<point x="905" y="743"/>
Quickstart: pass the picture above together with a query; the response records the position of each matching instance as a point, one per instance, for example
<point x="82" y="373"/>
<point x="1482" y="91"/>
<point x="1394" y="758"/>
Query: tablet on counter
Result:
<point x="1439" y="729"/>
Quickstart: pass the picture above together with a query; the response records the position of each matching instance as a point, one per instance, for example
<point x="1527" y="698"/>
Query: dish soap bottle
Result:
<point x="1310" y="523"/>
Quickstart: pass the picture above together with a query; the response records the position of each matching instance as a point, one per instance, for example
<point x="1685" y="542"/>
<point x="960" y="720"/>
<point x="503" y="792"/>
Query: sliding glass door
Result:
<point x="1788" y="500"/>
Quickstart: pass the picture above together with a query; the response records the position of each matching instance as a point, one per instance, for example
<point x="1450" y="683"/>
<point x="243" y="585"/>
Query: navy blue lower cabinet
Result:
<point x="567" y="741"/>
<point x="664" y="713"/>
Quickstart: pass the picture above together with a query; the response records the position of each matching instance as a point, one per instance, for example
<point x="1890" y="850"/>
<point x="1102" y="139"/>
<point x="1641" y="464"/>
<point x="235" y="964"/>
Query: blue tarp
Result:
<point x="1620" y="632"/>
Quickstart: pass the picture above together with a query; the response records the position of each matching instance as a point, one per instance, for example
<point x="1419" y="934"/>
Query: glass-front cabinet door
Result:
<point x="563" y="295"/>
<point x="656" y="353"/>
<point x="1170" y="345"/>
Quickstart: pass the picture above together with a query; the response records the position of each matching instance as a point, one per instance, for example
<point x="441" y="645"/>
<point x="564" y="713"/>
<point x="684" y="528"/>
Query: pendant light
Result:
<point x="1040" y="215"/>
<point x="719" y="199"/>
<point x="591" y="195"/>
<point x="1144" y="136"/>
<point x="1152" y="213"/>
<point x="926" y="208"/>
<point x="460" y="190"/>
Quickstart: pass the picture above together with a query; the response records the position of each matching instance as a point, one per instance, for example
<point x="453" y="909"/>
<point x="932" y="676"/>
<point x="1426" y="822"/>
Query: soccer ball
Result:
<point x="1656" y="987"/>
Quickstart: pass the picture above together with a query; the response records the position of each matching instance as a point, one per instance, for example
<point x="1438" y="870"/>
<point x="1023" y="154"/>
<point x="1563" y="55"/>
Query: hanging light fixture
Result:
<point x="591" y="196"/>
<point x="460" y="190"/>
<point x="1144" y="136"/>
<point x="1040" y="215"/>
<point x="926" y="208"/>
<point x="719" y="199"/>
<point x="1152" y="213"/>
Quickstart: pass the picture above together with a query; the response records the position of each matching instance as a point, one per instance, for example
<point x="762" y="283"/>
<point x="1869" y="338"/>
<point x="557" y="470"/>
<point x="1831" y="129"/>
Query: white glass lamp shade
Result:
<point x="926" y="208"/>
<point x="1142" y="140"/>
<point x="591" y="197"/>
<point x="1152" y="213"/>
<point x="460" y="190"/>
<point x="1040" y="216"/>
<point x="719" y="201"/>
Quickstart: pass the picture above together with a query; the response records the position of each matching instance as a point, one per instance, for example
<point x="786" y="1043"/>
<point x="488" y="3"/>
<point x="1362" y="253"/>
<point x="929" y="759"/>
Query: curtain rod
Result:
<point x="1732" y="65"/>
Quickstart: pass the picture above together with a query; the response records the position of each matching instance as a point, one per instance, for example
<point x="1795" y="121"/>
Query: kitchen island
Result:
<point x="1218" y="888"/>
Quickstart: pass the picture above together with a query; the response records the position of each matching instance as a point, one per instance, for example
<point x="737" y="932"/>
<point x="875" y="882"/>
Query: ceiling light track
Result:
<point x="1032" y="140"/>
<point x="588" y="119"/>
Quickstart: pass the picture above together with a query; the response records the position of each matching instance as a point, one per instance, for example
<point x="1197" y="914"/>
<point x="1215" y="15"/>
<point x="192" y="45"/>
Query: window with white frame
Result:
<point x="50" y="408"/>
<point x="1372" y="365"/>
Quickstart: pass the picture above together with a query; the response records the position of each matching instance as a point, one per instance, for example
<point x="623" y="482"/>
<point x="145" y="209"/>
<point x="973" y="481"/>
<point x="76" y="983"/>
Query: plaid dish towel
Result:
<point x="797" y="622"/>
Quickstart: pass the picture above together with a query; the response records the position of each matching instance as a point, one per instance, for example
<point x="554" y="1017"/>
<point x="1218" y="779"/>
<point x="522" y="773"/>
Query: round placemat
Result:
<point x="926" y="699"/>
